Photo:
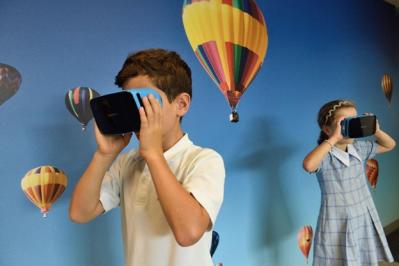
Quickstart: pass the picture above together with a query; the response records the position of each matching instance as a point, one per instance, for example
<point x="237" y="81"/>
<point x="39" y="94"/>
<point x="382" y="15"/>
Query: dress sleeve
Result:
<point x="205" y="181"/>
<point x="365" y="148"/>
<point x="323" y="163"/>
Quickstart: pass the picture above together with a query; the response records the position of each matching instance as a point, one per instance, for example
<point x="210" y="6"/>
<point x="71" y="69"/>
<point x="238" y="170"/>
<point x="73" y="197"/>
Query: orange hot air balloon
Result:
<point x="43" y="186"/>
<point x="305" y="237"/>
<point x="372" y="172"/>
<point x="230" y="40"/>
<point x="387" y="87"/>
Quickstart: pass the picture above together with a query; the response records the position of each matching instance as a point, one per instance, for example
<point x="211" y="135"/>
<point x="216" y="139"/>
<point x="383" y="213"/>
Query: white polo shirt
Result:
<point x="148" y="238"/>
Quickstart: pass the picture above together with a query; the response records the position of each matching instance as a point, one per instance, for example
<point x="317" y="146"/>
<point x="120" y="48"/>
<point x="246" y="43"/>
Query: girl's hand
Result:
<point x="150" y="136"/>
<point x="110" y="145"/>
<point x="377" y="128"/>
<point x="337" y="130"/>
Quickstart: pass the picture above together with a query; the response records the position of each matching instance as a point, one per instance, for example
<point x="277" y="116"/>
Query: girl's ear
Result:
<point x="182" y="101"/>
<point x="326" y="130"/>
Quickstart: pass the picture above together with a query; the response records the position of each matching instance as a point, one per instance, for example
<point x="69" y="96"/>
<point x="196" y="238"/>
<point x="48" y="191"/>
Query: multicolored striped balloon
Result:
<point x="305" y="237"/>
<point x="10" y="80"/>
<point x="229" y="38"/>
<point x="43" y="186"/>
<point x="77" y="101"/>
<point x="387" y="87"/>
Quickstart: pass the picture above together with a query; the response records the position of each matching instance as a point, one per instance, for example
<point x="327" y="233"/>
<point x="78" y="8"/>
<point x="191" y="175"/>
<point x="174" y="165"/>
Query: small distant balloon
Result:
<point x="10" y="80"/>
<point x="387" y="87"/>
<point x="43" y="186"/>
<point x="77" y="102"/>
<point x="305" y="237"/>
<point x="372" y="172"/>
<point x="215" y="242"/>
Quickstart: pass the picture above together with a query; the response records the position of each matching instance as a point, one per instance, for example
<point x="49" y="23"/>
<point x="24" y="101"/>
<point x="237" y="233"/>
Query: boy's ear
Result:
<point x="183" y="101"/>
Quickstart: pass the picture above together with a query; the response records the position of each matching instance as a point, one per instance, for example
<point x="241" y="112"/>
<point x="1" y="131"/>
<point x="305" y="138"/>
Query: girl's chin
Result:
<point x="346" y="141"/>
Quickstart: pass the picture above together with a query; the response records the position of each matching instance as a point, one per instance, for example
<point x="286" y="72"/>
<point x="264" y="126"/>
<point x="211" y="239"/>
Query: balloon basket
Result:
<point x="83" y="128"/>
<point x="234" y="117"/>
<point x="44" y="213"/>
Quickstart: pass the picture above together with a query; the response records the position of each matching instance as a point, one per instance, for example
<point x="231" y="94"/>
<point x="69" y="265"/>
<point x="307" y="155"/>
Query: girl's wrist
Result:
<point x="329" y="143"/>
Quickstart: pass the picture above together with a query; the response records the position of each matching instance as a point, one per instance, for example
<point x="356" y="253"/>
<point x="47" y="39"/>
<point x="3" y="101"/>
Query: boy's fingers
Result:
<point x="143" y="117"/>
<point x="148" y="109"/>
<point x="156" y="107"/>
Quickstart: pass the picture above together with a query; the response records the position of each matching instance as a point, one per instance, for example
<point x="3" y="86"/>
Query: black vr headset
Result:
<point x="359" y="126"/>
<point x="118" y="113"/>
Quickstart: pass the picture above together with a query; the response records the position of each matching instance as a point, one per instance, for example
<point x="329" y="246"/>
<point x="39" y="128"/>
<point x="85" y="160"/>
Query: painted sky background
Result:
<point x="318" y="51"/>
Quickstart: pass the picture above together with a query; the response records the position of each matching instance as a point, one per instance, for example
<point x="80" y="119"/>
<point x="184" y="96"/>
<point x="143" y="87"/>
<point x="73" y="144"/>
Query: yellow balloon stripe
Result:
<point x="207" y="21"/>
<point x="43" y="179"/>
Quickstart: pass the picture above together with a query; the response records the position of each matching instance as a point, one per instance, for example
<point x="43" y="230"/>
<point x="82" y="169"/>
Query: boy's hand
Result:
<point x="110" y="145"/>
<point x="150" y="136"/>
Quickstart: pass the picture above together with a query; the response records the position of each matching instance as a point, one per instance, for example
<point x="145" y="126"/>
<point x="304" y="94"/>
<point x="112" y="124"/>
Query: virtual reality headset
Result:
<point x="118" y="113"/>
<point x="359" y="126"/>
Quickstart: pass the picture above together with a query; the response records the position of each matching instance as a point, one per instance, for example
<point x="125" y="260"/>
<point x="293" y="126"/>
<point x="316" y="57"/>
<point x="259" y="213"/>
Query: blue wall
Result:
<point x="319" y="50"/>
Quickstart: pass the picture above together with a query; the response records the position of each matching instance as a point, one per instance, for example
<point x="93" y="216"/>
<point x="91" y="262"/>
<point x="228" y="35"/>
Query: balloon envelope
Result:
<point x="387" y="87"/>
<point x="372" y="172"/>
<point x="43" y="186"/>
<point x="10" y="80"/>
<point x="305" y="237"/>
<point x="230" y="40"/>
<point x="77" y="101"/>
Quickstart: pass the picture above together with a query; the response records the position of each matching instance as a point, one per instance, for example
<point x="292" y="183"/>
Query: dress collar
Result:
<point x="344" y="156"/>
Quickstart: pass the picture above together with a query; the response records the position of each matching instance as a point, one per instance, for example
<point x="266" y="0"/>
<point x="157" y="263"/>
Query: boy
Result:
<point x="169" y="190"/>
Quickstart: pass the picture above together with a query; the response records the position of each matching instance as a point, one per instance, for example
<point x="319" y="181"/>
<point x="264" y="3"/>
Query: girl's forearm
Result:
<point x="312" y="161"/>
<point x="384" y="140"/>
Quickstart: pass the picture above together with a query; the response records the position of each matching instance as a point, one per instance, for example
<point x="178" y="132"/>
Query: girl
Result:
<point x="349" y="231"/>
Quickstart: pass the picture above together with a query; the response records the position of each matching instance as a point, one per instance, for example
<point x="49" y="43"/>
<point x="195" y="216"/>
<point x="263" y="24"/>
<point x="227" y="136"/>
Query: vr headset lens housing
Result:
<point x="118" y="113"/>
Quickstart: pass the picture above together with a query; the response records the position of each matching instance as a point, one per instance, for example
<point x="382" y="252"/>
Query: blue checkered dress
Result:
<point x="349" y="231"/>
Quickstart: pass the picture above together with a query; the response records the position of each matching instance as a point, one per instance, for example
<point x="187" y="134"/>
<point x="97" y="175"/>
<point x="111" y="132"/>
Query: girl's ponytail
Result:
<point x="322" y="137"/>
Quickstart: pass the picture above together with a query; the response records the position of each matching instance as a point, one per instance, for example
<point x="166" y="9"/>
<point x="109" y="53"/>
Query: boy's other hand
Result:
<point x="151" y="127"/>
<point x="110" y="145"/>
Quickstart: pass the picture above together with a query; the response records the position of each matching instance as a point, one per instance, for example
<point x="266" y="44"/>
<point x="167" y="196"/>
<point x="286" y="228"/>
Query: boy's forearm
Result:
<point x="384" y="140"/>
<point x="186" y="217"/>
<point x="86" y="195"/>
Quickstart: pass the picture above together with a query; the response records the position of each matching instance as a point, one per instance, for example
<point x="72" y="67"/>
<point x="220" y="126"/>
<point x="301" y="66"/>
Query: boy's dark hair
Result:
<point x="166" y="70"/>
<point x="326" y="115"/>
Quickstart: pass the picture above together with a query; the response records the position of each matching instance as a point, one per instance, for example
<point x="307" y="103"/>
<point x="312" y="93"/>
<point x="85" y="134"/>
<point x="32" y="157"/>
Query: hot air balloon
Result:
<point x="305" y="237"/>
<point x="77" y="101"/>
<point x="372" y="172"/>
<point x="10" y="80"/>
<point x="215" y="242"/>
<point x="230" y="40"/>
<point x="387" y="87"/>
<point x="43" y="186"/>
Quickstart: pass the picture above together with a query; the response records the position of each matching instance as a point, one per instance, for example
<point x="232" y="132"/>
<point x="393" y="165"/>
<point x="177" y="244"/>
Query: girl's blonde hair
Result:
<point x="327" y="114"/>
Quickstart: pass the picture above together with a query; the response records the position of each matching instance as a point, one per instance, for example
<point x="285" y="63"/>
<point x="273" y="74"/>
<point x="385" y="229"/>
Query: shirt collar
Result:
<point x="344" y="156"/>
<point x="182" y="144"/>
